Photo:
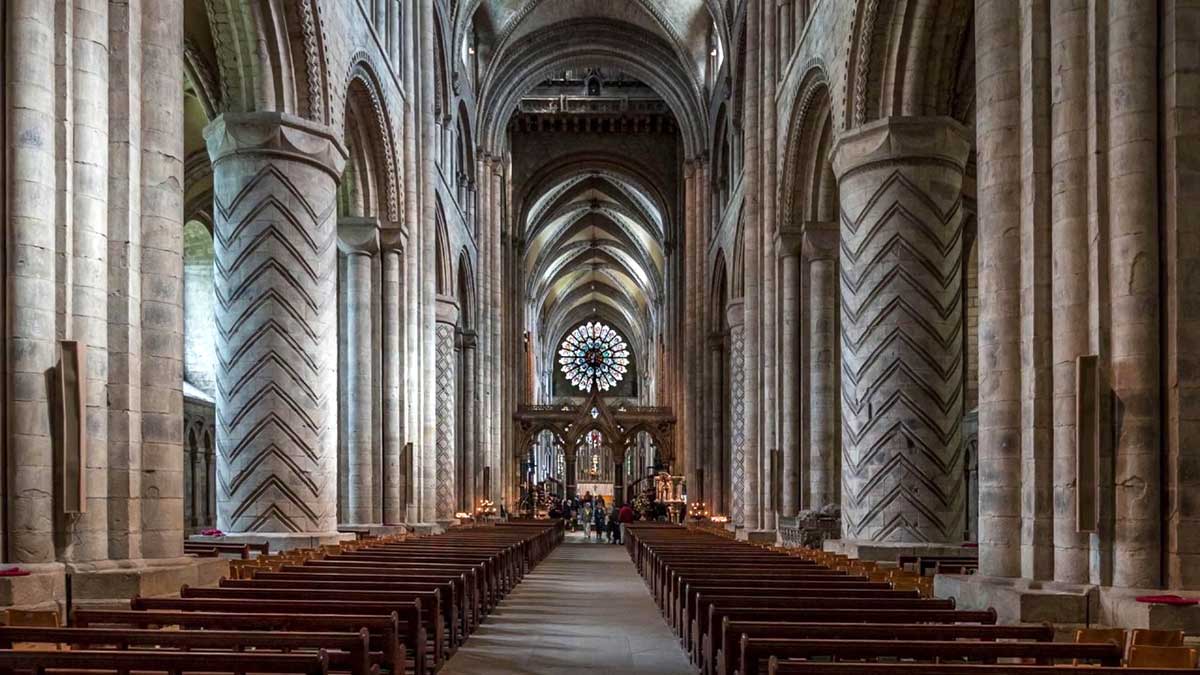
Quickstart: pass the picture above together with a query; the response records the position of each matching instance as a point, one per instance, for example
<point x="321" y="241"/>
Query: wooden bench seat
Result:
<point x="756" y="651"/>
<point x="348" y="652"/>
<point x="167" y="662"/>
<point x="731" y="630"/>
<point x="778" y="667"/>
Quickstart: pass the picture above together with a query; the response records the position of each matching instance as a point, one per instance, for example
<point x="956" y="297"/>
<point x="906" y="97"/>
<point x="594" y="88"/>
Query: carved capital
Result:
<point x="392" y="239"/>
<point x="904" y="140"/>
<point x="279" y="134"/>
<point x="470" y="339"/>
<point x="789" y="242"/>
<point x="447" y="310"/>
<point x="821" y="241"/>
<point x="358" y="236"/>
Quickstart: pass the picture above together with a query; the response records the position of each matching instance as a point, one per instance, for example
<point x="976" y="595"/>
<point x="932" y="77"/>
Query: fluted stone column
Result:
<point x="393" y="412"/>
<point x="737" y="413"/>
<point x="789" y="346"/>
<point x="275" y="178"/>
<point x="900" y="181"/>
<point x="444" y="469"/>
<point x="470" y="408"/>
<point x="358" y="240"/>
<point x="821" y="251"/>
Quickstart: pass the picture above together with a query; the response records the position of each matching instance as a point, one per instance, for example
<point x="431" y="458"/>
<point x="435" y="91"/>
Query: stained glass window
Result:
<point x="594" y="352"/>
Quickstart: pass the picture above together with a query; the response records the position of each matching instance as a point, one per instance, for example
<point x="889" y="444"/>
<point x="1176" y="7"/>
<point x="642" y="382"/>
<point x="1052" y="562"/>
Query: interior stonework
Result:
<point x="928" y="266"/>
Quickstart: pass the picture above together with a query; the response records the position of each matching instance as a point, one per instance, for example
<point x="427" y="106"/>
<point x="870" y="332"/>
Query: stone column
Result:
<point x="393" y="409"/>
<point x="162" y="280"/>
<point x="470" y="410"/>
<point x="737" y="412"/>
<point x="1069" y="249"/>
<point x="444" y="469"/>
<point x="824" y="403"/>
<point x="714" y="494"/>
<point x="275" y="180"/>
<point x="1133" y="269"/>
<point x="901" y="192"/>
<point x="32" y="350"/>
<point x="358" y="240"/>
<point x="789" y="347"/>
<point x="998" y="138"/>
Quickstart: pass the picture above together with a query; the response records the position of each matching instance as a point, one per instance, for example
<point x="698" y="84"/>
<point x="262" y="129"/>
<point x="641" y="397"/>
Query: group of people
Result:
<point x="594" y="517"/>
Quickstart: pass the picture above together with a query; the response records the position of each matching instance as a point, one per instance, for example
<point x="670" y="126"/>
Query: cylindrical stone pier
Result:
<point x="393" y="414"/>
<point x="901" y="193"/>
<point x="445" y="367"/>
<point x="275" y="177"/>
<point x="823" y="376"/>
<point x="470" y="443"/>
<point x="789" y="399"/>
<point x="737" y="411"/>
<point x="358" y="239"/>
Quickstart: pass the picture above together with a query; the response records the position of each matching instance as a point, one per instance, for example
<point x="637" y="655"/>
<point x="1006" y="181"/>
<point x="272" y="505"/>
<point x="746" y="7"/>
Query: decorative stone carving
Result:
<point x="737" y="416"/>
<point x="445" y="490"/>
<point x="902" y="397"/>
<point x="275" y="178"/>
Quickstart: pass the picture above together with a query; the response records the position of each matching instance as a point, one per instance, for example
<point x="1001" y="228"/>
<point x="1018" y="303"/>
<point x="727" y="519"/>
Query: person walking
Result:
<point x="599" y="519"/>
<point x="585" y="519"/>
<point x="614" y="525"/>
<point x="624" y="516"/>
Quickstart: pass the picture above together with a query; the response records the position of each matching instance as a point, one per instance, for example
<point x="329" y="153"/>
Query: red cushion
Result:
<point x="1167" y="600"/>
<point x="14" y="572"/>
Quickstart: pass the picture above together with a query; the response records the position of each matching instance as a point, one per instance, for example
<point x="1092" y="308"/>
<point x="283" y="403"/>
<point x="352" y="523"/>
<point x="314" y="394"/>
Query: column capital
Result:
<point x="821" y="241"/>
<point x="392" y="239"/>
<point x="447" y="310"/>
<point x="716" y="341"/>
<point x="358" y="235"/>
<point x="735" y="312"/>
<point x="470" y="339"/>
<point x="289" y="137"/>
<point x="902" y="139"/>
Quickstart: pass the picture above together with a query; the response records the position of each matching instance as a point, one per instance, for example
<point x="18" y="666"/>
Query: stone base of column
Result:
<point x="886" y="551"/>
<point x="111" y="583"/>
<point x="373" y="530"/>
<point x="757" y="536"/>
<point x="422" y="528"/>
<point x="45" y="588"/>
<point x="281" y="541"/>
<point x="1067" y="605"/>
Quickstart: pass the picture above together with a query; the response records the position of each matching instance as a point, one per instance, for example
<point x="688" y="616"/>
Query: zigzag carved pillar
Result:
<point x="737" y="413"/>
<point x="900" y="183"/>
<point x="274" y="179"/>
<point x="358" y="239"/>
<point x="444" y="496"/>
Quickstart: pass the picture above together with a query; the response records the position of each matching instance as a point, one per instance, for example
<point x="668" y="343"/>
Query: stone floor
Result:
<point x="583" y="610"/>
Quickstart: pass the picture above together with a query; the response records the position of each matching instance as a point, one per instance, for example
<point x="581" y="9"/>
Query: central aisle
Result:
<point x="584" y="609"/>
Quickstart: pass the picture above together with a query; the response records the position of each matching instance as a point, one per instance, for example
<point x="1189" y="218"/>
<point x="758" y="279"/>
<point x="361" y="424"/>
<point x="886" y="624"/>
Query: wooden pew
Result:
<point x="167" y="662"/>
<point x="409" y="613"/>
<point x="731" y="631"/>
<point x="384" y="632"/>
<point x="754" y="651"/>
<point x="347" y="652"/>
<point x="778" y="667"/>
<point x="733" y="608"/>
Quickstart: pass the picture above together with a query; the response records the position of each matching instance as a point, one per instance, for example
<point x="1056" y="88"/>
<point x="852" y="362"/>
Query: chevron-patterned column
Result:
<point x="275" y="178"/>
<point x="445" y="491"/>
<point x="737" y="412"/>
<point x="900" y="183"/>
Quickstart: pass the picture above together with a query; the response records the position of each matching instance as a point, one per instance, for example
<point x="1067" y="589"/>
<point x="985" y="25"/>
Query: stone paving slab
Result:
<point x="584" y="609"/>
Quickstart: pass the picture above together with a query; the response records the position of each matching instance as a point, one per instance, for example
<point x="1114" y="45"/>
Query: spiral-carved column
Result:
<point x="902" y="399"/>
<point x="275" y="178"/>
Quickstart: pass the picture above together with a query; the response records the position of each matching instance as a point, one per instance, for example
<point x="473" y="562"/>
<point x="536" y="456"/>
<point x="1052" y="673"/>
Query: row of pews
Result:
<point x="745" y="609"/>
<point x="385" y="605"/>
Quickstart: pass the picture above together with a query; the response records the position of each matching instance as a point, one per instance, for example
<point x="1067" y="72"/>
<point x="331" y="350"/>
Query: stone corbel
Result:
<point x="789" y="242"/>
<point x="470" y="339"/>
<point x="358" y="236"/>
<point x="716" y="341"/>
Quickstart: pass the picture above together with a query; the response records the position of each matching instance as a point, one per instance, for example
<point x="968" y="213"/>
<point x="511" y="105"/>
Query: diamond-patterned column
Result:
<point x="445" y="367"/>
<point x="900" y="181"/>
<point x="275" y="179"/>
<point x="737" y="413"/>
